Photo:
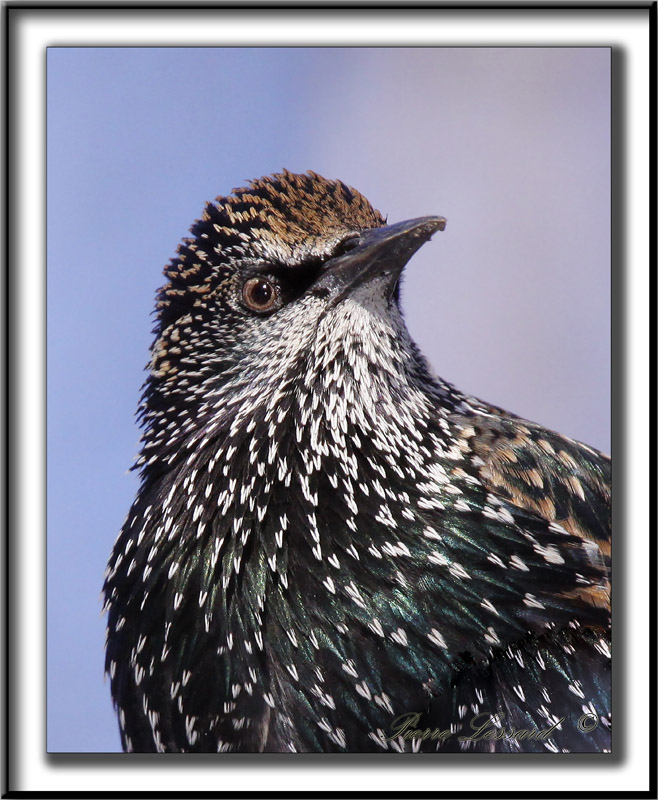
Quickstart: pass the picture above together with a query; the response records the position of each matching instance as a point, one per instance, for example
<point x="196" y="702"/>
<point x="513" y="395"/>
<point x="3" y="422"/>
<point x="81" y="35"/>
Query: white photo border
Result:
<point x="628" y="30"/>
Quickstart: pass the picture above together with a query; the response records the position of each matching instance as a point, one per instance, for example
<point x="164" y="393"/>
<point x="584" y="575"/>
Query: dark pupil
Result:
<point x="261" y="293"/>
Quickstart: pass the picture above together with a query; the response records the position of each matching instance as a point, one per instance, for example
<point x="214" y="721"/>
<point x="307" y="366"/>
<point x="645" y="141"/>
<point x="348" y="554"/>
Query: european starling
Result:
<point x="332" y="548"/>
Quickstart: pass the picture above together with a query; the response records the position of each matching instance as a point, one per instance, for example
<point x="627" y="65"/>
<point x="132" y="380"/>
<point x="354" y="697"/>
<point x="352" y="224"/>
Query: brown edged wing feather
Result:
<point x="557" y="478"/>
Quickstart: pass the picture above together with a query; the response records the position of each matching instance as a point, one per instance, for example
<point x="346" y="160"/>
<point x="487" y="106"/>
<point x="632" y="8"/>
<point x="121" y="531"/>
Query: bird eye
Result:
<point x="260" y="294"/>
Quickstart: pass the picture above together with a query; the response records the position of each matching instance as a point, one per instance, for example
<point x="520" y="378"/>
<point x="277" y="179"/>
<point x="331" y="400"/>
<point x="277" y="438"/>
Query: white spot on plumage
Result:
<point x="350" y="668"/>
<point x="576" y="688"/>
<point x="491" y="636"/>
<point x="495" y="559"/>
<point x="400" y="636"/>
<point x="435" y="636"/>
<point x="531" y="601"/>
<point x="489" y="606"/>
<point x="458" y="571"/>
<point x="517" y="563"/>
<point x="549" y="553"/>
<point x="384" y="701"/>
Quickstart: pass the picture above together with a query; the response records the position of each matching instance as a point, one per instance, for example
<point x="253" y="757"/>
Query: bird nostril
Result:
<point x="347" y="244"/>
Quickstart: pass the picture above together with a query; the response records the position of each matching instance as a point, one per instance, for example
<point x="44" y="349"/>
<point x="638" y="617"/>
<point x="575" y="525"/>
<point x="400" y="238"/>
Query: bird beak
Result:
<point x="378" y="253"/>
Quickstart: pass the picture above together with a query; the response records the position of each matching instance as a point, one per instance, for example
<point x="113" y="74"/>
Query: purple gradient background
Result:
<point x="511" y="302"/>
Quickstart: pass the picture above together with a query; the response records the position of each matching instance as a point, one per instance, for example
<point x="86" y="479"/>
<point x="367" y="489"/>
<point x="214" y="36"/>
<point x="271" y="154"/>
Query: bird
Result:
<point x="332" y="548"/>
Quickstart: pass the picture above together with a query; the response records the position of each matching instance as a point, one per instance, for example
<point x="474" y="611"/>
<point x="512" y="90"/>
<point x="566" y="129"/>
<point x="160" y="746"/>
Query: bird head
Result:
<point x="282" y="277"/>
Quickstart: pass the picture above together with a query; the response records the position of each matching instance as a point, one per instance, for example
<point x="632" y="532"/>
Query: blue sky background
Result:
<point x="511" y="302"/>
